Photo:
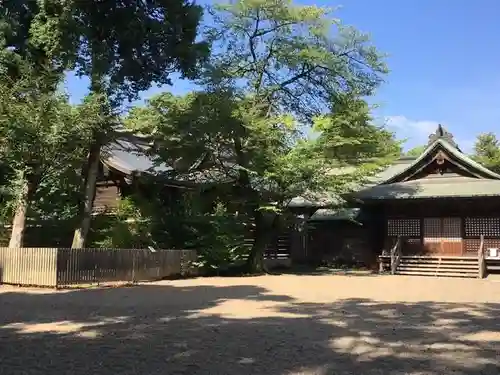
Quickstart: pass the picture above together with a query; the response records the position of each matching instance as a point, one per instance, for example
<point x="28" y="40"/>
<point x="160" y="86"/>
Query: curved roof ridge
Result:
<point x="452" y="150"/>
<point x="467" y="159"/>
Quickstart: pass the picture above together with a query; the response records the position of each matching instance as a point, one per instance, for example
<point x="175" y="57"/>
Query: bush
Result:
<point x="218" y="236"/>
<point x="127" y="229"/>
<point x="220" y="239"/>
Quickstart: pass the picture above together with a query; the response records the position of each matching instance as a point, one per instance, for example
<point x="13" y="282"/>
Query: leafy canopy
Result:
<point x="276" y="67"/>
<point x="293" y="58"/>
<point x="487" y="151"/>
<point x="121" y="46"/>
<point x="416" y="151"/>
<point x="43" y="140"/>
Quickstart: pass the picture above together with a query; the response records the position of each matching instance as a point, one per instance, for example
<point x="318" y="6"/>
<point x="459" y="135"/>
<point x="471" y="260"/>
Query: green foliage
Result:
<point x="348" y="137"/>
<point x="122" y="47"/>
<point x="218" y="235"/>
<point x="416" y="151"/>
<point x="276" y="67"/>
<point x="487" y="151"/>
<point x="29" y="35"/>
<point x="220" y="241"/>
<point x="40" y="141"/>
<point x="293" y="58"/>
<point x="127" y="229"/>
<point x="279" y="163"/>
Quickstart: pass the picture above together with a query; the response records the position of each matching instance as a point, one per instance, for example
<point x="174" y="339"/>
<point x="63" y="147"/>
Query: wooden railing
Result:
<point x="55" y="267"/>
<point x="481" y="260"/>
<point x="396" y="256"/>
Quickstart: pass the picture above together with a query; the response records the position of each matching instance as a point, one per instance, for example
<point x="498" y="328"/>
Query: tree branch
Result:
<point x="251" y="42"/>
<point x="304" y="73"/>
<point x="275" y="28"/>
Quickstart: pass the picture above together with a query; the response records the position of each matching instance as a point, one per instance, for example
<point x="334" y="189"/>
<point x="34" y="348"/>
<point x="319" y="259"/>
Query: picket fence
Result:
<point x="57" y="267"/>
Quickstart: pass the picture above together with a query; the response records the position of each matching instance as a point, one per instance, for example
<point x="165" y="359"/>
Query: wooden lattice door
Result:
<point x="443" y="235"/>
<point x="475" y="227"/>
<point x="409" y="231"/>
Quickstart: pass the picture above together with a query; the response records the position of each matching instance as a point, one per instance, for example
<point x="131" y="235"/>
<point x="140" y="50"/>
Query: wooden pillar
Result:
<point x="300" y="238"/>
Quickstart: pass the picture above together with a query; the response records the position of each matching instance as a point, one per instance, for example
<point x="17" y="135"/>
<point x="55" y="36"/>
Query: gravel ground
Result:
<point x="260" y="325"/>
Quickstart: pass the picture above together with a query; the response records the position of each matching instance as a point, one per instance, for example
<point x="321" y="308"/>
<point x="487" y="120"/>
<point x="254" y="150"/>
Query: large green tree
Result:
<point x="487" y="151"/>
<point x="40" y="143"/>
<point x="416" y="151"/>
<point x="122" y="47"/>
<point x="290" y="57"/>
<point x="276" y="69"/>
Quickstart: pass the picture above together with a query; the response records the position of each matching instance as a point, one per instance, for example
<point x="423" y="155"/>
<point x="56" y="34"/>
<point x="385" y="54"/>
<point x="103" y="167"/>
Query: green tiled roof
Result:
<point x="463" y="158"/>
<point x="325" y="214"/>
<point x="467" y="160"/>
<point x="439" y="186"/>
<point x="386" y="185"/>
<point x="436" y="185"/>
<point x="331" y="200"/>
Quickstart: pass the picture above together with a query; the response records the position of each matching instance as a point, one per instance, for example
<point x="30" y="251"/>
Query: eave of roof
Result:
<point x="454" y="152"/>
<point x="325" y="214"/>
<point x="437" y="187"/>
<point x="329" y="200"/>
<point x="128" y="155"/>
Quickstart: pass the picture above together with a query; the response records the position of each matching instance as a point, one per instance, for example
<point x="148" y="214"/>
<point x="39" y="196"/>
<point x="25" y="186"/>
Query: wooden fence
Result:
<point x="53" y="267"/>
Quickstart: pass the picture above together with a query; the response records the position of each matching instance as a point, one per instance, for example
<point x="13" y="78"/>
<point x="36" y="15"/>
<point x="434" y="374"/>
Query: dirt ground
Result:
<point x="268" y="325"/>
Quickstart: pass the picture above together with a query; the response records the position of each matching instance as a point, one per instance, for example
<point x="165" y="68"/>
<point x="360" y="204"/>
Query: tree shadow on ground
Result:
<point x="242" y="329"/>
<point x="313" y="270"/>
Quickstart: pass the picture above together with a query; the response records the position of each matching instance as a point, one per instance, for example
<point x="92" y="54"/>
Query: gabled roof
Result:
<point x="460" y="159"/>
<point x="128" y="155"/>
<point x="326" y="200"/>
<point x="399" y="180"/>
<point x="440" y="186"/>
<point x="474" y="180"/>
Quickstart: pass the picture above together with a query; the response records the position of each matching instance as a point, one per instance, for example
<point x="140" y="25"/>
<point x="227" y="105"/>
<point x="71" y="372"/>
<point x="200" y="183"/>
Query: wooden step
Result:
<point x="467" y="260"/>
<point x="450" y="264"/>
<point x="423" y="257"/>
<point x="444" y="257"/>
<point x="447" y="274"/>
<point x="444" y="266"/>
<point x="436" y="269"/>
<point x="436" y="262"/>
<point x="441" y="266"/>
<point x="415" y="272"/>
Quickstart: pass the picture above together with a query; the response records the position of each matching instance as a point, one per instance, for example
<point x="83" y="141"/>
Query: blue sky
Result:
<point x="444" y="58"/>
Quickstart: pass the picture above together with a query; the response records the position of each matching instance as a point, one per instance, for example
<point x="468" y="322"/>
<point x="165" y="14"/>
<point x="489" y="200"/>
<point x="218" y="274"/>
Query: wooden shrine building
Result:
<point x="439" y="204"/>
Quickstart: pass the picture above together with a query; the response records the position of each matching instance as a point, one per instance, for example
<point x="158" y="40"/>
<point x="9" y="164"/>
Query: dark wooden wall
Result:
<point x="468" y="219"/>
<point x="107" y="196"/>
<point x="340" y="242"/>
<point x="442" y="226"/>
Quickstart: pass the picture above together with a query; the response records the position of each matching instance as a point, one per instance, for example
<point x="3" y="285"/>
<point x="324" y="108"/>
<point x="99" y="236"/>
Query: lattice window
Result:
<point x="437" y="229"/>
<point x="432" y="229"/>
<point x="452" y="229"/>
<point x="487" y="226"/>
<point x="403" y="227"/>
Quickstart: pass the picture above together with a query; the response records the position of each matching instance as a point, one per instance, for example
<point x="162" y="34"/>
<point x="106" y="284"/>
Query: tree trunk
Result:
<point x="262" y="236"/>
<point x="19" y="221"/>
<point x="255" y="261"/>
<point x="80" y="236"/>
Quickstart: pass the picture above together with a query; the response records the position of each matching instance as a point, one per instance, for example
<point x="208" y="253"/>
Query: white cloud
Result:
<point x="466" y="145"/>
<point x="414" y="130"/>
<point x="417" y="132"/>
